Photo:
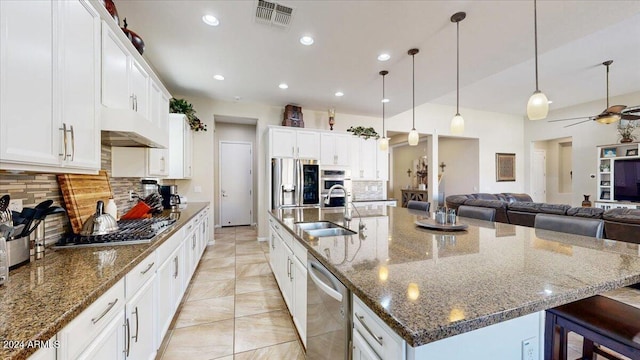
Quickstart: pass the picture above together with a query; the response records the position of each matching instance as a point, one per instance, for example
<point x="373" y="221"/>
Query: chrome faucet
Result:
<point x="347" y="205"/>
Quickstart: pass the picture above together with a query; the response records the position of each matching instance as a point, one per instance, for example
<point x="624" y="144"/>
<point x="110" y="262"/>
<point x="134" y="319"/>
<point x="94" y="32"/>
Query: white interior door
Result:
<point x="236" y="183"/>
<point x="539" y="176"/>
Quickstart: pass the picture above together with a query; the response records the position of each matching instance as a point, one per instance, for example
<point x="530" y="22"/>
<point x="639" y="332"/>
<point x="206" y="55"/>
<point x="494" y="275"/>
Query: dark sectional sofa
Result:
<point x="519" y="209"/>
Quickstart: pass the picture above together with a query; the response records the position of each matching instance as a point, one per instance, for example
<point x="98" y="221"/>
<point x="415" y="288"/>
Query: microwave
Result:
<point x="329" y="178"/>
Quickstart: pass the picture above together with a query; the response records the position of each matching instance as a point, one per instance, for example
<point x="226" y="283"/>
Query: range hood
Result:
<point x="126" y="128"/>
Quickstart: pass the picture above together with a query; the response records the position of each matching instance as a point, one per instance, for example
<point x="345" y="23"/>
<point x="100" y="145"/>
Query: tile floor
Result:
<point x="232" y="308"/>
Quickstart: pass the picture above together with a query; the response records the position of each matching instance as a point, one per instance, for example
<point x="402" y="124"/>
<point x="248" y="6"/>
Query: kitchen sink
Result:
<point x="336" y="231"/>
<point x="324" y="228"/>
<point x="317" y="225"/>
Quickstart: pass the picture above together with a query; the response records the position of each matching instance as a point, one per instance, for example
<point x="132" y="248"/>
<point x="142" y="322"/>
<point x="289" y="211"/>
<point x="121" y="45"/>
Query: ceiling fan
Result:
<point x="612" y="113"/>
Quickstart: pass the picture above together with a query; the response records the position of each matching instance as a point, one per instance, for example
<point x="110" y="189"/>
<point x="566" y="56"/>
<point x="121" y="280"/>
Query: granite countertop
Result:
<point x="40" y="298"/>
<point x="428" y="285"/>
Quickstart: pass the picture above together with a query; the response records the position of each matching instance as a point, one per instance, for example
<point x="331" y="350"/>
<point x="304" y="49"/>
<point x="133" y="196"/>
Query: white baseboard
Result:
<point x="263" y="239"/>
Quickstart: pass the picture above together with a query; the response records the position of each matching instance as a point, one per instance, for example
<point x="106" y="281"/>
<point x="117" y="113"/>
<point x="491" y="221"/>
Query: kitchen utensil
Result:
<point x="6" y="231"/>
<point x="80" y="193"/>
<point x="4" y="202"/>
<point x="137" y="212"/>
<point x="100" y="223"/>
<point x="154" y="200"/>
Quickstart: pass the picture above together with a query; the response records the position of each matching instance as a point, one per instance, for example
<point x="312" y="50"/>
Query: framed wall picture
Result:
<point x="632" y="152"/>
<point x="505" y="167"/>
<point x="609" y="152"/>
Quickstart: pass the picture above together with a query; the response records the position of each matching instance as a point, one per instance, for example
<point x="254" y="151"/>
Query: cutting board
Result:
<point x="80" y="194"/>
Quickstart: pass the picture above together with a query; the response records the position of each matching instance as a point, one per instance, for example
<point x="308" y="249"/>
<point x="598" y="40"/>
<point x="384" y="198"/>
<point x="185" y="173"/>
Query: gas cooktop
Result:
<point x="130" y="232"/>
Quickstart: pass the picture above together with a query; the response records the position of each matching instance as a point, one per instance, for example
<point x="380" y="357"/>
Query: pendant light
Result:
<point x="538" y="105"/>
<point x="457" y="123"/>
<point x="413" y="134"/>
<point x="384" y="141"/>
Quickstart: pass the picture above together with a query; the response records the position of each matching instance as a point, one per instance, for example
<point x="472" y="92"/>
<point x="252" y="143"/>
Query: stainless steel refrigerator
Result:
<point x="294" y="182"/>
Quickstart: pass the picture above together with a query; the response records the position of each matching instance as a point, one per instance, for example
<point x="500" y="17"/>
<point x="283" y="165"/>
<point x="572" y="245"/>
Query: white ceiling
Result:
<point x="496" y="52"/>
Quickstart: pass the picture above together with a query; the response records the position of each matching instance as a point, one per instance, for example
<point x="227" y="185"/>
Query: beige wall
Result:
<point x="402" y="157"/>
<point x="234" y="132"/>
<point x="585" y="138"/>
<point x="462" y="170"/>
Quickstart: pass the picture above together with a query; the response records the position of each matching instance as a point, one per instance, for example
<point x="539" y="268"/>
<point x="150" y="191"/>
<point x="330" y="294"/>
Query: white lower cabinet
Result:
<point x="130" y="319"/>
<point x="140" y="324"/>
<point x="84" y="335"/>
<point x="376" y="340"/>
<point x="110" y="345"/>
<point x="362" y="350"/>
<point x="289" y="265"/>
<point x="46" y="353"/>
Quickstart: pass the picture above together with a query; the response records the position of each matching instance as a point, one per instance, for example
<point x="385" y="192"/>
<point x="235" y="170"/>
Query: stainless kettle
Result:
<point x="99" y="223"/>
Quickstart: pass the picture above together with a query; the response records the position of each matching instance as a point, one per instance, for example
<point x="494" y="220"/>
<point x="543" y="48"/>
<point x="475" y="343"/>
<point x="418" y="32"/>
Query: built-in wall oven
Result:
<point x="328" y="178"/>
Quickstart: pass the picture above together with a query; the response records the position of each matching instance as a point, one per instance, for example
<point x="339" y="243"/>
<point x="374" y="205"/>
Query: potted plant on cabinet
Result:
<point x="626" y="129"/>
<point x="182" y="106"/>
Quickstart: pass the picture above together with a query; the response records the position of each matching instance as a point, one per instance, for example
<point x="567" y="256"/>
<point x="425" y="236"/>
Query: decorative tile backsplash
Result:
<point x="34" y="188"/>
<point x="367" y="190"/>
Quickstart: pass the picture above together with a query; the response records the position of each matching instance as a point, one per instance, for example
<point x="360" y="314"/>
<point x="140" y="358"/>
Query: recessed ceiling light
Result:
<point x="218" y="77"/>
<point x="210" y="20"/>
<point x="385" y="100"/>
<point x="283" y="86"/>
<point x="306" y="40"/>
<point x="384" y="57"/>
<point x="339" y="93"/>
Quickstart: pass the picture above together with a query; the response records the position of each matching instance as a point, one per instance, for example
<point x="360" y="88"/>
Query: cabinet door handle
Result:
<point x="135" y="337"/>
<point x="73" y="144"/>
<point x="361" y="173"/>
<point x="289" y="268"/>
<point x="175" y="267"/>
<point x="193" y="242"/>
<point x="335" y="159"/>
<point x="298" y="153"/>
<point x="293" y="151"/>
<point x="132" y="102"/>
<point x="147" y="269"/>
<point x="377" y="174"/>
<point x="135" y="102"/>
<point x="127" y="337"/>
<point x="163" y="163"/>
<point x="64" y="139"/>
<point x="364" y="324"/>
<point x="109" y="307"/>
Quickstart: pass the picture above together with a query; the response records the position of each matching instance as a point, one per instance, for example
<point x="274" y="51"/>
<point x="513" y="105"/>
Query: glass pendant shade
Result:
<point x="608" y="119"/>
<point x="384" y="144"/>
<point x="538" y="106"/>
<point x="413" y="137"/>
<point x="457" y="125"/>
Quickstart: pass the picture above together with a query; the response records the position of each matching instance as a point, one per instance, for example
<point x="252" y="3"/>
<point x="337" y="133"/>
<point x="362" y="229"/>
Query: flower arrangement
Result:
<point x="626" y="131"/>
<point x="363" y="132"/>
<point x="182" y="106"/>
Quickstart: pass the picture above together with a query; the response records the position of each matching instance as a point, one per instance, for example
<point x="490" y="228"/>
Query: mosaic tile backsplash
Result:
<point x="368" y="190"/>
<point x="34" y="188"/>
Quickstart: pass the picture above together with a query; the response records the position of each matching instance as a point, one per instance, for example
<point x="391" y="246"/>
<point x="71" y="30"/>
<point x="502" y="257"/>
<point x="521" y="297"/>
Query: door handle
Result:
<point x="224" y="193"/>
<point x="323" y="287"/>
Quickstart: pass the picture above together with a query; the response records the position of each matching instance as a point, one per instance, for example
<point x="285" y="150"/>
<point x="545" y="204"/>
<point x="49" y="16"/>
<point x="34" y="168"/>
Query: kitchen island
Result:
<point x="41" y="298"/>
<point x="493" y="279"/>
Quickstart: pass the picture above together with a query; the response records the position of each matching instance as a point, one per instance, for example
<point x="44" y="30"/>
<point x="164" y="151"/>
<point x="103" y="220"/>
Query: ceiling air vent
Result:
<point x="271" y="13"/>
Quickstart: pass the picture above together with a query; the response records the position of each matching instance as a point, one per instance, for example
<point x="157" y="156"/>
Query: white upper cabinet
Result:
<point x="79" y="82"/>
<point x="49" y="86"/>
<point x="292" y="143"/>
<point x="308" y="144"/>
<point x="115" y="72"/>
<point x="368" y="162"/>
<point x="180" y="147"/>
<point x="283" y="142"/>
<point x="139" y="85"/>
<point x="334" y="149"/>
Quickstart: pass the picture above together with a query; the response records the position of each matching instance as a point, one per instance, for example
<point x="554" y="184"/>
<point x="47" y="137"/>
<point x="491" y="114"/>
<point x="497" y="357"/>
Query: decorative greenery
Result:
<point x="626" y="129"/>
<point x="363" y="132"/>
<point x="182" y="106"/>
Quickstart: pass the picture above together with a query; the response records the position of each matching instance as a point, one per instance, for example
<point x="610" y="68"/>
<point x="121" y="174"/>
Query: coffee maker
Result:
<point x="170" y="197"/>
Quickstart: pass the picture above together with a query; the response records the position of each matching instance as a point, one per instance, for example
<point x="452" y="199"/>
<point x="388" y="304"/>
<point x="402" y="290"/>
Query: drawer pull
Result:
<point x="147" y="269"/>
<point x="366" y="327"/>
<point x="109" y="307"/>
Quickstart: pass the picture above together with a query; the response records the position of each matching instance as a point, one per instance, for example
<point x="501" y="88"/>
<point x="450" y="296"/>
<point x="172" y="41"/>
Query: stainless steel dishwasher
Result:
<point x="328" y="314"/>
